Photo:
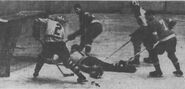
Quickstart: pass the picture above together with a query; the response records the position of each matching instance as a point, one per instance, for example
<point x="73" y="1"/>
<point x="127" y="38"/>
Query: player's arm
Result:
<point x="143" y="21"/>
<point x="81" y="29"/>
<point x="139" y="13"/>
<point x="75" y="34"/>
<point x="83" y="24"/>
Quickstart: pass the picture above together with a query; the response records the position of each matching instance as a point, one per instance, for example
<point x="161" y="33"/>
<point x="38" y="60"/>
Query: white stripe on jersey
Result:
<point x="163" y="24"/>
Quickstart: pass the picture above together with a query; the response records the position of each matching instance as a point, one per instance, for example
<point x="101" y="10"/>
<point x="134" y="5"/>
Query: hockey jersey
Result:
<point x="160" y="28"/>
<point x="54" y="31"/>
<point x="85" y="19"/>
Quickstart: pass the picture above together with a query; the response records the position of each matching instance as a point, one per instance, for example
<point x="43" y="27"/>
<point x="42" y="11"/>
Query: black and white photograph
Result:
<point x="92" y="44"/>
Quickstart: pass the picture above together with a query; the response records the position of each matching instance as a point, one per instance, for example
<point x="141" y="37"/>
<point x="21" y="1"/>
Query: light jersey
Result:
<point x="54" y="31"/>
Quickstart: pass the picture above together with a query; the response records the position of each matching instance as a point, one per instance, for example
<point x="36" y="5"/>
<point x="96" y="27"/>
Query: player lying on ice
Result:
<point x="55" y="51"/>
<point x="95" y="66"/>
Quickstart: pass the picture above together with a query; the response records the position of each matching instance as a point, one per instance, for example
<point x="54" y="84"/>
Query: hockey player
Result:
<point x="95" y="66"/>
<point x="90" y="28"/>
<point x="165" y="40"/>
<point x="139" y="35"/>
<point x="53" y="44"/>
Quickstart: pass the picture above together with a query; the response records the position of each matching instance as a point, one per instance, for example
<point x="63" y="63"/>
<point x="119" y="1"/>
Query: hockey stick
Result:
<point x="131" y="58"/>
<point x="64" y="74"/>
<point x="117" y="49"/>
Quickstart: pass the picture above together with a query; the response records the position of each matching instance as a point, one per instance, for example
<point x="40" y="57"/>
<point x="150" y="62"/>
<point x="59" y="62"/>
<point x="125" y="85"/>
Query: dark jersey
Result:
<point x="160" y="28"/>
<point x="85" y="19"/>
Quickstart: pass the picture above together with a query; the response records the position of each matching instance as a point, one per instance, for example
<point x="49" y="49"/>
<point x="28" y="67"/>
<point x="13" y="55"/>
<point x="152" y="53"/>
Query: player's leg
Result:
<point x="41" y="59"/>
<point x="148" y="59"/>
<point x="63" y="52"/>
<point x="171" y="48"/>
<point x="64" y="55"/>
<point x="75" y="68"/>
<point x="148" y="42"/>
<point x="39" y="64"/>
<point x="173" y="58"/>
<point x="155" y="60"/>
<point x="46" y="53"/>
<point x="90" y="61"/>
<point x="136" y="41"/>
<point x="93" y="66"/>
<point x="107" y="66"/>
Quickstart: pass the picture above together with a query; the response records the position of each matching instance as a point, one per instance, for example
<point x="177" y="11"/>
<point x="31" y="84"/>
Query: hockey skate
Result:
<point x="81" y="79"/>
<point x="178" y="73"/>
<point x="155" y="74"/>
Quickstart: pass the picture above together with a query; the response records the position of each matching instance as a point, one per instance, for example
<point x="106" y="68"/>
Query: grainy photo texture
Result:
<point x="102" y="44"/>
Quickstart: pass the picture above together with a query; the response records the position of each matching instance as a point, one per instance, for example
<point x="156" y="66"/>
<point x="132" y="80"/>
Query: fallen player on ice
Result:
<point x="94" y="66"/>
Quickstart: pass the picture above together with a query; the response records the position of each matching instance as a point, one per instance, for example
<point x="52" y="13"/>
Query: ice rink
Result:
<point x="116" y="30"/>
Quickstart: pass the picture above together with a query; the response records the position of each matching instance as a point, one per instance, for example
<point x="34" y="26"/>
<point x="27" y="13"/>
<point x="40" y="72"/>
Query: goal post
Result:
<point x="11" y="27"/>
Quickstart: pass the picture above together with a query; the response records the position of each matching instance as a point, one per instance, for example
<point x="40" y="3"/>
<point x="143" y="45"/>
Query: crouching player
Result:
<point x="166" y="40"/>
<point x="95" y="66"/>
<point x="53" y="44"/>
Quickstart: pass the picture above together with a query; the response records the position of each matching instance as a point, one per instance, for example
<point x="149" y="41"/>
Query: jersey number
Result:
<point x="58" y="27"/>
